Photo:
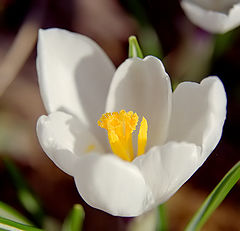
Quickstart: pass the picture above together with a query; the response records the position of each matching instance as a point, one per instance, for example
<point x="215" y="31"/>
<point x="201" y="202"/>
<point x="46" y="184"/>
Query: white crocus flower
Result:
<point x="179" y="130"/>
<point x="215" y="16"/>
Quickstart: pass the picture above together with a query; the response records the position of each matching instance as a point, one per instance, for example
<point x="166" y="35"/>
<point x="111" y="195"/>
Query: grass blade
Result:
<point x="25" y="195"/>
<point x="214" y="199"/>
<point x="74" y="221"/>
<point x="8" y="225"/>
<point x="162" y="218"/>
<point x="10" y="213"/>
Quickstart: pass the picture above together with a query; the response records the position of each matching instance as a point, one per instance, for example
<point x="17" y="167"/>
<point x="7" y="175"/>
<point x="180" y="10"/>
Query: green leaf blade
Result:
<point x="214" y="199"/>
<point x="9" y="225"/>
<point x="134" y="48"/>
<point x="10" y="213"/>
<point x="25" y="195"/>
<point x="162" y="224"/>
<point x="74" y="221"/>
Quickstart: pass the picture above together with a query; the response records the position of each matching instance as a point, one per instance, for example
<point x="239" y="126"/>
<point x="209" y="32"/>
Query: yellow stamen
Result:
<point x="120" y="126"/>
<point x="142" y="137"/>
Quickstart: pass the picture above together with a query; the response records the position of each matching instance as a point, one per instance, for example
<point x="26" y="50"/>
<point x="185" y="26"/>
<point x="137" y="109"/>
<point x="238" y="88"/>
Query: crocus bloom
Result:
<point x="118" y="171"/>
<point x="215" y="16"/>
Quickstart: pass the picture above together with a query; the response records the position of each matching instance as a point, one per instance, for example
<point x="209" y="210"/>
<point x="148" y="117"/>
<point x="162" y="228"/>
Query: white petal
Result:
<point x="74" y="75"/>
<point x="221" y="20"/>
<point x="115" y="186"/>
<point x="166" y="168"/>
<point x="198" y="113"/>
<point x="234" y="18"/>
<point x="64" y="139"/>
<point x="144" y="87"/>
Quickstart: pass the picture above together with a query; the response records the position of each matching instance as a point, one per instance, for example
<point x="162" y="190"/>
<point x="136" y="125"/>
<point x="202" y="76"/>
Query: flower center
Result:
<point x="120" y="126"/>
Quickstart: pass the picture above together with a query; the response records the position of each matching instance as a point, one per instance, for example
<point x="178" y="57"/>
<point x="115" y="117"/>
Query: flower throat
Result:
<point x="120" y="126"/>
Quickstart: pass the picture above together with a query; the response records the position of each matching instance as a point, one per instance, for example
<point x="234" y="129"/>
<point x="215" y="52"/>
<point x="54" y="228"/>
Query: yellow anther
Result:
<point x="120" y="126"/>
<point x="142" y="137"/>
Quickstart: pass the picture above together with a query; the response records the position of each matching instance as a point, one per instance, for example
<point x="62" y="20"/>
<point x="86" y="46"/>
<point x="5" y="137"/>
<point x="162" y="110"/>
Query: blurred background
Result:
<point x="162" y="29"/>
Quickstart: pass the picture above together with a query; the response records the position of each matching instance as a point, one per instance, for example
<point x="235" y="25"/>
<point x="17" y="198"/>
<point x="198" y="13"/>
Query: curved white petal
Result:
<point x="74" y="75"/>
<point x="115" y="186"/>
<point x="166" y="168"/>
<point x="210" y="19"/>
<point x="143" y="86"/>
<point x="234" y="18"/>
<point x="64" y="138"/>
<point x="198" y="113"/>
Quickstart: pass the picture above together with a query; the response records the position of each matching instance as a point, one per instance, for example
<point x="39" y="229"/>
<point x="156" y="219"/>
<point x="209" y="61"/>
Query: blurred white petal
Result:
<point x="213" y="16"/>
